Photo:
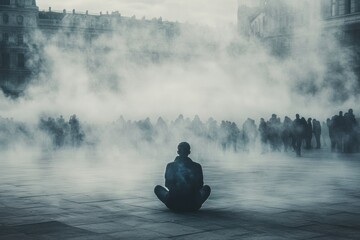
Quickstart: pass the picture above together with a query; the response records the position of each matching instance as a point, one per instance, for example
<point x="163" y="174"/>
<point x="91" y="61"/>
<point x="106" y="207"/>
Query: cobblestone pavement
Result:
<point x="256" y="197"/>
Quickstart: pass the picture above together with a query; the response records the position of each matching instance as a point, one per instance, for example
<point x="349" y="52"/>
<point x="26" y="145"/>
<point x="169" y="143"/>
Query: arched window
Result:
<point x="5" y="18"/>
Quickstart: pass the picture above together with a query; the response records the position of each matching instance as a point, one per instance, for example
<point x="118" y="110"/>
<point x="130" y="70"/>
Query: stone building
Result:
<point x="248" y="11"/>
<point x="329" y="27"/>
<point x="20" y="19"/>
<point x="342" y="17"/>
<point x="279" y="22"/>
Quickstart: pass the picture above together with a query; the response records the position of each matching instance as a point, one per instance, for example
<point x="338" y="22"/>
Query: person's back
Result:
<point x="183" y="176"/>
<point x="184" y="180"/>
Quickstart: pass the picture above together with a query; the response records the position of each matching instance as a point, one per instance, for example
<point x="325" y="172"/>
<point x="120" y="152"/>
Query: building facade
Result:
<point x="329" y="27"/>
<point x="248" y="11"/>
<point x="20" y="19"/>
<point x="278" y="22"/>
<point x="342" y="17"/>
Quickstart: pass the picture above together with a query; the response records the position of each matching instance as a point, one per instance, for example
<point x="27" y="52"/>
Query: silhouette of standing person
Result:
<point x="184" y="181"/>
<point x="298" y="131"/>
<point x="308" y="133"/>
<point x="339" y="127"/>
<point x="317" y="133"/>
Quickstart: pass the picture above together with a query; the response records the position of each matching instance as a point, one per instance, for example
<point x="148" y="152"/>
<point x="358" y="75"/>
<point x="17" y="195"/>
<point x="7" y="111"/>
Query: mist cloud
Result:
<point x="146" y="72"/>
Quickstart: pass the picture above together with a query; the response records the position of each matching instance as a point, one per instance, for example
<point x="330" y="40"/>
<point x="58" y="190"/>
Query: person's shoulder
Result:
<point x="195" y="164"/>
<point x="170" y="164"/>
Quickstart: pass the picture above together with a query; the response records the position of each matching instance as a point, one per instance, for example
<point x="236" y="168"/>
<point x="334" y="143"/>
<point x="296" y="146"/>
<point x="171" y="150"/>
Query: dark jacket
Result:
<point x="183" y="178"/>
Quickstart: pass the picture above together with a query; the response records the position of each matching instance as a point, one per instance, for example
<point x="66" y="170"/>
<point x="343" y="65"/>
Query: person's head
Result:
<point x="351" y="111"/>
<point x="297" y="116"/>
<point x="184" y="149"/>
<point x="340" y="113"/>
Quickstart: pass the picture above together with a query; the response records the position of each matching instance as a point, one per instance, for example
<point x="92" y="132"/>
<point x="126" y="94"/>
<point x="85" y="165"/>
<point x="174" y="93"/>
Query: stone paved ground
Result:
<point x="266" y="197"/>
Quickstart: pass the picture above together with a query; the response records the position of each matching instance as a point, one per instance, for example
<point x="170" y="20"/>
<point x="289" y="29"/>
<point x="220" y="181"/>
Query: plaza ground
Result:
<point x="274" y="196"/>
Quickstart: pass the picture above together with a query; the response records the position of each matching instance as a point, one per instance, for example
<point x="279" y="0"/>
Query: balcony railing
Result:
<point x="116" y="13"/>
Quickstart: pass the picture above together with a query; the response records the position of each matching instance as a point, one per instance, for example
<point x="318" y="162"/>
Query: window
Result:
<point x="4" y="2"/>
<point x="5" y="38"/>
<point x="20" y="39"/>
<point x="344" y="7"/>
<point x="20" y="20"/>
<point x="5" y="59"/>
<point x="355" y="6"/>
<point x="334" y="8"/>
<point x="20" y="3"/>
<point x="5" y="18"/>
<point x="347" y="6"/>
<point x="21" y="60"/>
<point x="265" y="22"/>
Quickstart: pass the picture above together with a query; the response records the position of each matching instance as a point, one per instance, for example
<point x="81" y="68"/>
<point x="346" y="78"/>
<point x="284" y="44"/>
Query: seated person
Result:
<point x="184" y="179"/>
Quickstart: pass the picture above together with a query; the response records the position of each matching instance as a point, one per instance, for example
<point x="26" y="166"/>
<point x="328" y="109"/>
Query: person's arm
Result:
<point x="169" y="177"/>
<point x="200" y="177"/>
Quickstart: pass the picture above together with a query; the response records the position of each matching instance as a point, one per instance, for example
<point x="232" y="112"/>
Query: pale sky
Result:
<point x="209" y="12"/>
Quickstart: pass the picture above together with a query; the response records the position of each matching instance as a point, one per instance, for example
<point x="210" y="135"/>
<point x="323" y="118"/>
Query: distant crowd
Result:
<point x="63" y="133"/>
<point x="340" y="133"/>
<point x="344" y="132"/>
<point x="341" y="130"/>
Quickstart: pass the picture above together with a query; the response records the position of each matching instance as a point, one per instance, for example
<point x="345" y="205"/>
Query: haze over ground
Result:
<point x="211" y="72"/>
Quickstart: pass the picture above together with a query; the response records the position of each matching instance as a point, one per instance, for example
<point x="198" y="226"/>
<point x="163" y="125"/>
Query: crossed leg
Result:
<point x="163" y="195"/>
